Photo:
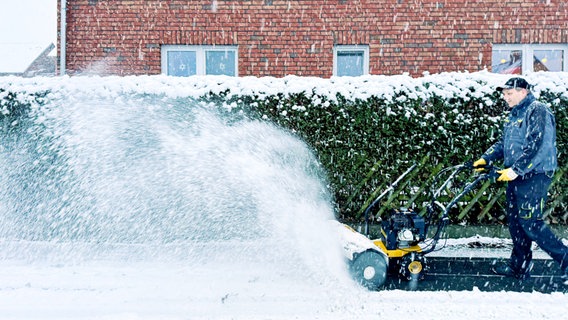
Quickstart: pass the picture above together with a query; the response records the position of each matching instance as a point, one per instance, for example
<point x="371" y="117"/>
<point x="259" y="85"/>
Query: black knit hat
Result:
<point x="515" y="83"/>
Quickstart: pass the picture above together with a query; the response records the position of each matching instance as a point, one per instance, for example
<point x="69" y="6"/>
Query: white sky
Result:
<point x="28" y="21"/>
<point x="27" y="27"/>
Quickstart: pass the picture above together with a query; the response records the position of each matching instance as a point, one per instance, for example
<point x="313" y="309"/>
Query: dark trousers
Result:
<point x="526" y="198"/>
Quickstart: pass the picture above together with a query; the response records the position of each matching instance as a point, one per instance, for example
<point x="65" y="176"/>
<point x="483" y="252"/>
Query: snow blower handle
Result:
<point x="490" y="174"/>
<point x="487" y="171"/>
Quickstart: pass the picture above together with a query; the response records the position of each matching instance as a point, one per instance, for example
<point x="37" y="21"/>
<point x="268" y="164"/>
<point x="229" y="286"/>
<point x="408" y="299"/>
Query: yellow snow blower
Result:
<point x="405" y="235"/>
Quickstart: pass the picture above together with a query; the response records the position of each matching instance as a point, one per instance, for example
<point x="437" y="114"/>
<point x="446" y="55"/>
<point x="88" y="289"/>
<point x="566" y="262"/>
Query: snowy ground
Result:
<point x="70" y="281"/>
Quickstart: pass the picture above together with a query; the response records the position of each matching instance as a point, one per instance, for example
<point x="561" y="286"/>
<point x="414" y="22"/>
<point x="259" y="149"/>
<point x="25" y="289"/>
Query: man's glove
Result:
<point x="507" y="175"/>
<point x="478" y="165"/>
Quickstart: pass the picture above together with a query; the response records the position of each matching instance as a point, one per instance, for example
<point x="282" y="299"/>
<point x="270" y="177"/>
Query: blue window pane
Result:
<point x="350" y="63"/>
<point x="182" y="63"/>
<point x="220" y="63"/>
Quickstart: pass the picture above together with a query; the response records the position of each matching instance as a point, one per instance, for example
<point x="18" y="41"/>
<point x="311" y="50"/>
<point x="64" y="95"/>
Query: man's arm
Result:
<point x="495" y="152"/>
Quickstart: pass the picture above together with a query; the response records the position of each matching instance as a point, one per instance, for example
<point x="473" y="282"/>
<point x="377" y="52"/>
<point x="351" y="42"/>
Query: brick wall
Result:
<point x="281" y="37"/>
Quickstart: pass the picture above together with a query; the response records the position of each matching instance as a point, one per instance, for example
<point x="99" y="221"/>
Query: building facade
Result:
<point x="320" y="38"/>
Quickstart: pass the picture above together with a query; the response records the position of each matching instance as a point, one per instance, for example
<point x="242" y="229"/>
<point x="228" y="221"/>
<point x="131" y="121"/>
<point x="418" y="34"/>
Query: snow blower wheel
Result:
<point x="369" y="268"/>
<point x="413" y="266"/>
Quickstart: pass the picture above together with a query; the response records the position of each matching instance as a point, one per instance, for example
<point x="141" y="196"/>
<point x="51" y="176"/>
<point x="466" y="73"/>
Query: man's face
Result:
<point x="514" y="96"/>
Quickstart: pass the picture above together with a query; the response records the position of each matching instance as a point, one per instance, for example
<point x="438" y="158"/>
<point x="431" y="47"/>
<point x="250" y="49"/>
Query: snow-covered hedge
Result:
<point x="365" y="130"/>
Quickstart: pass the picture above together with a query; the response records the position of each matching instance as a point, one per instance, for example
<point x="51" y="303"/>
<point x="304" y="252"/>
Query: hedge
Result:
<point x="365" y="131"/>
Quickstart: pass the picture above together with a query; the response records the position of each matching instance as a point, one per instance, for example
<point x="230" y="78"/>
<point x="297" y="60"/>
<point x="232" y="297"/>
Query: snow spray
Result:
<point x="169" y="177"/>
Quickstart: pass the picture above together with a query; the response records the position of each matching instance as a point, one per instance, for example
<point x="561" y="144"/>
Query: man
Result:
<point x="528" y="150"/>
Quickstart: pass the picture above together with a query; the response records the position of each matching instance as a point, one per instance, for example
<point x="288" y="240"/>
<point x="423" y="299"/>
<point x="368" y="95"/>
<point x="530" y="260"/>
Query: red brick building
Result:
<point x="318" y="38"/>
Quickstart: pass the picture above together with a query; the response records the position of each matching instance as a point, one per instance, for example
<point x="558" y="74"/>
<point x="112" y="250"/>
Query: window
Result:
<point x="350" y="60"/>
<point x="184" y="61"/>
<point x="523" y="58"/>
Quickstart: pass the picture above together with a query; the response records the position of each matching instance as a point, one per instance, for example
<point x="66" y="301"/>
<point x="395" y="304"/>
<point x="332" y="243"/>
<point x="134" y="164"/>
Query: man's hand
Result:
<point x="478" y="165"/>
<point x="507" y="175"/>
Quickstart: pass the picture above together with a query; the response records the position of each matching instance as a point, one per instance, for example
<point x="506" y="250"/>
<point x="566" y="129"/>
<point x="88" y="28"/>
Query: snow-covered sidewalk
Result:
<point x="62" y="281"/>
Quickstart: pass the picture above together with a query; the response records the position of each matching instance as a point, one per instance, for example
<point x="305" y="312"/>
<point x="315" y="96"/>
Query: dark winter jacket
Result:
<point x="528" y="143"/>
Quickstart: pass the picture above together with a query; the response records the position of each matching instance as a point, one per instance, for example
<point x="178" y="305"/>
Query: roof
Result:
<point x="18" y="58"/>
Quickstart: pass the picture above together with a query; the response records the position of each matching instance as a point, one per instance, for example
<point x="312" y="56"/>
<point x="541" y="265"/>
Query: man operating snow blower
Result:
<point x="528" y="150"/>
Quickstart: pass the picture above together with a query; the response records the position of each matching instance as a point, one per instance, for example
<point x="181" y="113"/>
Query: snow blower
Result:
<point x="404" y="236"/>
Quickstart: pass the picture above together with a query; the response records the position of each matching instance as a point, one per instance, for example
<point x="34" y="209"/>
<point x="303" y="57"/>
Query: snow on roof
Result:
<point x="15" y="58"/>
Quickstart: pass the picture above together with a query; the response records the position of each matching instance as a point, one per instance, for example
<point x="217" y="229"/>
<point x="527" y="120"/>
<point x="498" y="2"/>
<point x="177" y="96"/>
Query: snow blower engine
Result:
<point x="404" y="229"/>
<point x="400" y="236"/>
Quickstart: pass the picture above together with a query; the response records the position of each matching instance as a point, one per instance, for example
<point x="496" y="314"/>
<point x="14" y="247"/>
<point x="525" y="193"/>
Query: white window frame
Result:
<point x="362" y="48"/>
<point x="528" y="53"/>
<point x="199" y="57"/>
